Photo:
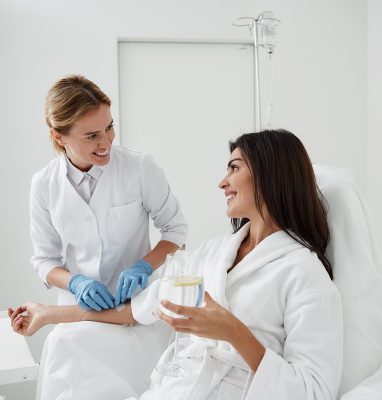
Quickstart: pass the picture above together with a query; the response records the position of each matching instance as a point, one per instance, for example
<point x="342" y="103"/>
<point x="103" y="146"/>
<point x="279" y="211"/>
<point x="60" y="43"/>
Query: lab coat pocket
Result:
<point x="123" y="221"/>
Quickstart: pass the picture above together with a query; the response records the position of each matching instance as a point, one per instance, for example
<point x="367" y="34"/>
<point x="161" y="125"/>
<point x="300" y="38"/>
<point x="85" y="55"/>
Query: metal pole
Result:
<point x="257" y="80"/>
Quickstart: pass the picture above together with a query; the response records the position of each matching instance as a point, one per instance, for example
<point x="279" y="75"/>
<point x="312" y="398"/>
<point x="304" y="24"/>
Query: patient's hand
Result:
<point x="211" y="321"/>
<point x="28" y="318"/>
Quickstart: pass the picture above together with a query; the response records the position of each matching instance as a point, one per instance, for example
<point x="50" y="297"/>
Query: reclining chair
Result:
<point x="357" y="271"/>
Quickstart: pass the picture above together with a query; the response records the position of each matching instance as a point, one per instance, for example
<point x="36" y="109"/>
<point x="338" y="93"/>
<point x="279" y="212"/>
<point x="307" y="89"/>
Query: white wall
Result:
<point x="374" y="168"/>
<point x="320" y="90"/>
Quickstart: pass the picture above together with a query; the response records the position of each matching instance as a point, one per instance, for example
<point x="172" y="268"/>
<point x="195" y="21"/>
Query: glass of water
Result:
<point x="181" y="282"/>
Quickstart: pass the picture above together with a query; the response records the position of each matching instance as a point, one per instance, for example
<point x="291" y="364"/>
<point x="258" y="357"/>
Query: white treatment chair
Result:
<point x="358" y="275"/>
<point x="16" y="361"/>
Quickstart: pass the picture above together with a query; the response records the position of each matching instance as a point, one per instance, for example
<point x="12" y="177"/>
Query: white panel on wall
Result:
<point x="183" y="102"/>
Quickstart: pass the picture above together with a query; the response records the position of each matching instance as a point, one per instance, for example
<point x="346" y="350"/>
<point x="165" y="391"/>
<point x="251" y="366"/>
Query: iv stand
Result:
<point x="265" y="25"/>
<point x="257" y="79"/>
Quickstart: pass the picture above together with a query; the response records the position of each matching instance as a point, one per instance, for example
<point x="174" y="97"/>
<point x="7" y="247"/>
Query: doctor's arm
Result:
<point x="157" y="256"/>
<point x="46" y="241"/>
<point x="164" y="210"/>
<point x="162" y="205"/>
<point x="30" y="317"/>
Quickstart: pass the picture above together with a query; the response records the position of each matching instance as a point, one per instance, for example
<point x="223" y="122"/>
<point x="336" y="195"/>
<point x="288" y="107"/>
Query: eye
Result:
<point x="110" y="127"/>
<point x="234" y="167"/>
<point x="92" y="137"/>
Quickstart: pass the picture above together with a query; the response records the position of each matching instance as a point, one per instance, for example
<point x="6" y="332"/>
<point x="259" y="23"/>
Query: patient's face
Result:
<point x="238" y="188"/>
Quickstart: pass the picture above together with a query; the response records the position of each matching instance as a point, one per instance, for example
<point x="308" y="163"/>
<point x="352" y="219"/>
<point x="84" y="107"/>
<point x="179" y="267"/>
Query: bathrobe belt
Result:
<point x="210" y="374"/>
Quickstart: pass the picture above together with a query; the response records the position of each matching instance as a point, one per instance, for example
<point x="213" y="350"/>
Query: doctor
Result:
<point x="90" y="210"/>
<point x="90" y="206"/>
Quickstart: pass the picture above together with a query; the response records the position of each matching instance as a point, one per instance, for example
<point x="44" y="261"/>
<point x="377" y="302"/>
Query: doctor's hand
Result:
<point x="130" y="278"/>
<point x="210" y="321"/>
<point x="90" y="294"/>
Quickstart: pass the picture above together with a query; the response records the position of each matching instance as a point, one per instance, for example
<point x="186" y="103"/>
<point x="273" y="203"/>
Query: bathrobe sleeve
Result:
<point x="160" y="202"/>
<point x="310" y="368"/>
<point x="46" y="241"/>
<point x="145" y="304"/>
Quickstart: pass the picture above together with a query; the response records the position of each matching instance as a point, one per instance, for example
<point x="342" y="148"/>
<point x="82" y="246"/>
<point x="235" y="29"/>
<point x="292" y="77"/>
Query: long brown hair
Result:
<point x="284" y="180"/>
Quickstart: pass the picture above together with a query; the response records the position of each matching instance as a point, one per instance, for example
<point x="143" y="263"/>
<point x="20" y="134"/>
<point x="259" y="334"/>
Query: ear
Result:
<point x="57" y="137"/>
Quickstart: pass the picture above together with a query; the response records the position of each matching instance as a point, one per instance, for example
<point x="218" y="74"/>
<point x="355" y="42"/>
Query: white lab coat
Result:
<point x="110" y="233"/>
<point x="284" y="295"/>
<point x="99" y="240"/>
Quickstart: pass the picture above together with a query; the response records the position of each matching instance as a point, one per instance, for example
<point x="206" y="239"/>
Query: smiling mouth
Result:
<point x="102" y="154"/>
<point x="230" y="197"/>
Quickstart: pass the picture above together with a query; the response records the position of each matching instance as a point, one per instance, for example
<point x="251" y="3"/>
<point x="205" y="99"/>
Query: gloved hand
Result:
<point x="130" y="278"/>
<point x="90" y="294"/>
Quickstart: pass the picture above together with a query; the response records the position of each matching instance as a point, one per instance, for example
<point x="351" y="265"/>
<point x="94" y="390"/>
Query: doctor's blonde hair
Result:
<point x="68" y="100"/>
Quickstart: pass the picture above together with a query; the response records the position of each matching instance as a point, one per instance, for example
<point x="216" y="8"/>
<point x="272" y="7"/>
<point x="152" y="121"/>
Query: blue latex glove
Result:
<point x="90" y="294"/>
<point x="130" y="278"/>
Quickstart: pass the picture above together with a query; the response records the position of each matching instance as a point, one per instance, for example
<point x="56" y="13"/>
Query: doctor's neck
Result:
<point x="81" y="167"/>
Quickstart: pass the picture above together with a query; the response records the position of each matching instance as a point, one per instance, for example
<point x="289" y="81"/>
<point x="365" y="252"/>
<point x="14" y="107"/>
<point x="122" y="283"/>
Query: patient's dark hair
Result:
<point x="283" y="178"/>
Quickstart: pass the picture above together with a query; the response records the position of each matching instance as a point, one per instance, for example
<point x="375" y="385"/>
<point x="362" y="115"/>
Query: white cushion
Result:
<point x="370" y="389"/>
<point x="357" y="273"/>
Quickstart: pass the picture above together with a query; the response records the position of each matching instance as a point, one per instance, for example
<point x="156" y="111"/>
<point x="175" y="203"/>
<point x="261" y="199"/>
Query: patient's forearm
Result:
<point x="30" y="317"/>
<point x="62" y="314"/>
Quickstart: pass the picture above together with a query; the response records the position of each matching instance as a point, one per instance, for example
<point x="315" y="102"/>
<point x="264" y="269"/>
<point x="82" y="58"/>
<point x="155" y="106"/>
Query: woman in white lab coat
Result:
<point x="90" y="208"/>
<point x="271" y="327"/>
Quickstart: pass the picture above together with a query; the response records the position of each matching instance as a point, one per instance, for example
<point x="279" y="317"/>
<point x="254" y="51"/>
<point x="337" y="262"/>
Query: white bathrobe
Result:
<point x="282" y="292"/>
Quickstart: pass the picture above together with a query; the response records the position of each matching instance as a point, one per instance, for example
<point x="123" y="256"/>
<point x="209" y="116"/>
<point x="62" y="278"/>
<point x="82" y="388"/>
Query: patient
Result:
<point x="271" y="326"/>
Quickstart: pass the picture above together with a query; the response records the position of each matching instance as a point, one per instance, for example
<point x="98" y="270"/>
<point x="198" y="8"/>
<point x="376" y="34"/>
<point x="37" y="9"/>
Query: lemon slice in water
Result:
<point x="188" y="281"/>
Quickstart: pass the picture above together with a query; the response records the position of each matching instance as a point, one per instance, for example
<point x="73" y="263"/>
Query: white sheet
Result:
<point x="90" y="360"/>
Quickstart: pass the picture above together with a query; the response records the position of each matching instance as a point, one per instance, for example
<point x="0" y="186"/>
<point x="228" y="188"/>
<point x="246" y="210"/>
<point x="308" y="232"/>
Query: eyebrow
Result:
<point x="92" y="133"/>
<point x="231" y="161"/>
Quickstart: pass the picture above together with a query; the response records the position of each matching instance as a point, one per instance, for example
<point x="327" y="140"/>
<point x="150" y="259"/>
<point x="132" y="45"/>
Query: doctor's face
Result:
<point x="238" y="188"/>
<point x="89" y="140"/>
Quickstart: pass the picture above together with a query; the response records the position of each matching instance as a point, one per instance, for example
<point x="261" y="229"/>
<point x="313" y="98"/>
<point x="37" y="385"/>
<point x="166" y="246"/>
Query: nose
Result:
<point x="105" y="140"/>
<point x="223" y="183"/>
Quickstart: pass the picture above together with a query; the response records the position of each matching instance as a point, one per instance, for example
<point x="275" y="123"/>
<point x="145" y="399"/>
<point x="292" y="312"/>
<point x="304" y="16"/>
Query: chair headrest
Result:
<point x="355" y="258"/>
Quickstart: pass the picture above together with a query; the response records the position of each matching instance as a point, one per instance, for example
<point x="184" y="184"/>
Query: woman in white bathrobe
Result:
<point x="271" y="326"/>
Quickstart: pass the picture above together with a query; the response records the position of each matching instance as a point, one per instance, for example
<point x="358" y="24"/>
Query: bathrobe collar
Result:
<point x="269" y="249"/>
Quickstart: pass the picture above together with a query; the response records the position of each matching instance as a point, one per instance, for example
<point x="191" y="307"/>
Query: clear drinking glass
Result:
<point x="180" y="283"/>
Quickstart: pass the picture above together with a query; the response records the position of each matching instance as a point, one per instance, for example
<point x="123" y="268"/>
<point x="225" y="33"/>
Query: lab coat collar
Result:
<point x="97" y="201"/>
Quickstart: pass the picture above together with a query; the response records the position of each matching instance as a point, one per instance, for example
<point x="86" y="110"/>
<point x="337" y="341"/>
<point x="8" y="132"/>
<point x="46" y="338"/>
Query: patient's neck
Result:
<point x="258" y="231"/>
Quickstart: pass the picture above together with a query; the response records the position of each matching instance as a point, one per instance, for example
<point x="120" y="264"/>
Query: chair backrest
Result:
<point x="357" y="274"/>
